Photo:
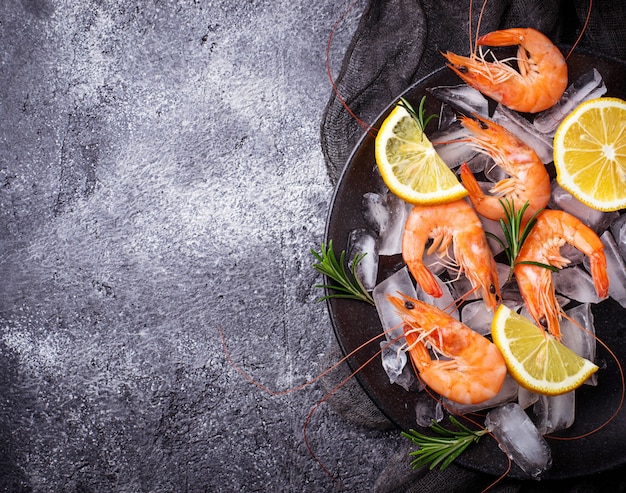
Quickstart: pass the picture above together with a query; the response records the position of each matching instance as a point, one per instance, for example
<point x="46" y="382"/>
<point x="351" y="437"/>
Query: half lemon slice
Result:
<point x="535" y="358"/>
<point x="409" y="164"/>
<point x="590" y="153"/>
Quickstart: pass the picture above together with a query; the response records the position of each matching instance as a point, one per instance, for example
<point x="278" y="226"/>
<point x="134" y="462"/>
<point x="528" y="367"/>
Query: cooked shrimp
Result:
<point x="472" y="369"/>
<point x="453" y="223"/>
<point x="528" y="178"/>
<point x="539" y="83"/>
<point x="553" y="229"/>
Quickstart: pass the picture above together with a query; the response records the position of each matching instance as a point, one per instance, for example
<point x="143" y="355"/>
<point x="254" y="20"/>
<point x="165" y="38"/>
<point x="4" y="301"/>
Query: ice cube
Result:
<point x="588" y="86"/>
<point x="464" y="98"/>
<point x="436" y="262"/>
<point x="573" y="254"/>
<point x="554" y="412"/>
<point x="386" y="215"/>
<point x="525" y="131"/>
<point x="480" y="162"/>
<point x="476" y="317"/>
<point x="576" y="284"/>
<point x="394" y="358"/>
<point x="398" y="282"/>
<point x="447" y="116"/>
<point x="618" y="230"/>
<point x="495" y="173"/>
<point x="462" y="286"/>
<point x="452" y="146"/>
<point x="378" y="184"/>
<point x="510" y="294"/>
<point x="375" y="211"/>
<point x="364" y="241"/>
<point x="578" y="334"/>
<point x="504" y="271"/>
<point x="390" y="242"/>
<point x="445" y="302"/>
<point x="427" y="410"/>
<point x="494" y="228"/>
<point x="526" y="398"/>
<point x="519" y="438"/>
<point x="508" y="393"/>
<point x="597" y="220"/>
<point x="394" y="361"/>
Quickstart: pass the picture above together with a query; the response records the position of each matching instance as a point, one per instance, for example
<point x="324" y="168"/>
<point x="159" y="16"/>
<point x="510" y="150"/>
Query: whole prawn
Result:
<point x="540" y="81"/>
<point x="552" y="230"/>
<point x="472" y="369"/>
<point x="528" y="178"/>
<point x="453" y="223"/>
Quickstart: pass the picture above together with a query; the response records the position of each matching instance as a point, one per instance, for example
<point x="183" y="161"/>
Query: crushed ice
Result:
<point x="520" y="439"/>
<point x="518" y="417"/>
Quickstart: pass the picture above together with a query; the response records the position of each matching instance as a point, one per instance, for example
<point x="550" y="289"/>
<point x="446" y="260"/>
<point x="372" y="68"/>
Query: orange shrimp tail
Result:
<point x="506" y="37"/>
<point x="425" y="279"/>
<point x="476" y="194"/>
<point x="599" y="274"/>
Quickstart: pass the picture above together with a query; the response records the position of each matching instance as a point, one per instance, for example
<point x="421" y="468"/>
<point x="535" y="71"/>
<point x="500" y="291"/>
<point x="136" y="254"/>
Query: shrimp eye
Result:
<point x="409" y="305"/>
<point x="483" y="125"/>
<point x="463" y="69"/>
<point x="492" y="289"/>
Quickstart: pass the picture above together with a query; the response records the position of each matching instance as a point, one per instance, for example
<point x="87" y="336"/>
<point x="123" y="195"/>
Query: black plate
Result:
<point x="355" y="322"/>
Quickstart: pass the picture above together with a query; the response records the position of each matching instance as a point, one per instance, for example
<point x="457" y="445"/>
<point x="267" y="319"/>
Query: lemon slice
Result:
<point x="409" y="164"/>
<point x="590" y="153"/>
<point x="535" y="358"/>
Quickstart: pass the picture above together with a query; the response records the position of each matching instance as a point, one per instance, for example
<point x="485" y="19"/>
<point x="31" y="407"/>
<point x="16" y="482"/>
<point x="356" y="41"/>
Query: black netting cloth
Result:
<point x="400" y="41"/>
<point x="397" y="43"/>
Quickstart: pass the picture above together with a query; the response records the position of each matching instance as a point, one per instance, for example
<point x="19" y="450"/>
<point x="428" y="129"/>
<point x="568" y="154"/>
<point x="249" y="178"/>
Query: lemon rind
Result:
<point x="405" y="192"/>
<point x="527" y="380"/>
<point x="563" y="176"/>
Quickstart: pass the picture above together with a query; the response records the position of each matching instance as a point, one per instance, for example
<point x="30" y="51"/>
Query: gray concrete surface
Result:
<point x="160" y="177"/>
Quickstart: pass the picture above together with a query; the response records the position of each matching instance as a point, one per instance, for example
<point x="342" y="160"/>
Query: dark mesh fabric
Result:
<point x="397" y="43"/>
<point x="400" y="41"/>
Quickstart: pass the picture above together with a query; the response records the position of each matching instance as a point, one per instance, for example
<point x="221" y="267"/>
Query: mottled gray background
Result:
<point x="160" y="177"/>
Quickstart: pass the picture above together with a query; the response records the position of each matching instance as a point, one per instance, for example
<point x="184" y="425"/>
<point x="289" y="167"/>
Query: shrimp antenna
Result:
<point x="469" y="29"/>
<point x="329" y="394"/>
<point x="480" y="18"/>
<point x="309" y="382"/>
<point x="582" y="31"/>
<point x="465" y="296"/>
<point x="271" y="392"/>
<point x="365" y="126"/>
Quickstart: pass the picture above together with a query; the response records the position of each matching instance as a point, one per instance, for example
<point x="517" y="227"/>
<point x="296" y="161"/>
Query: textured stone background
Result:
<point x="160" y="177"/>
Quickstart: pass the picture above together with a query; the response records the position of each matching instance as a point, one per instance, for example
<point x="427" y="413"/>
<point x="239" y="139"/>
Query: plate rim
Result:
<point x="330" y="214"/>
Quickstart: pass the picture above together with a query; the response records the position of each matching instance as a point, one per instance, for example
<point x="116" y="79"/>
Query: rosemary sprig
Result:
<point x="443" y="449"/>
<point x="418" y="115"/>
<point x="515" y="235"/>
<point x="349" y="287"/>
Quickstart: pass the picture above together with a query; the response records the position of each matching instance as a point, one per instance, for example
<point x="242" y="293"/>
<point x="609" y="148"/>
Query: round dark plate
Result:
<point x="355" y="322"/>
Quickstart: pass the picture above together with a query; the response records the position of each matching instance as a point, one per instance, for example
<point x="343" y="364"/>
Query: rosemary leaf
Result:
<point x="347" y="287"/>
<point x="440" y="451"/>
<point x="539" y="264"/>
<point x="418" y="115"/>
<point x="515" y="235"/>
